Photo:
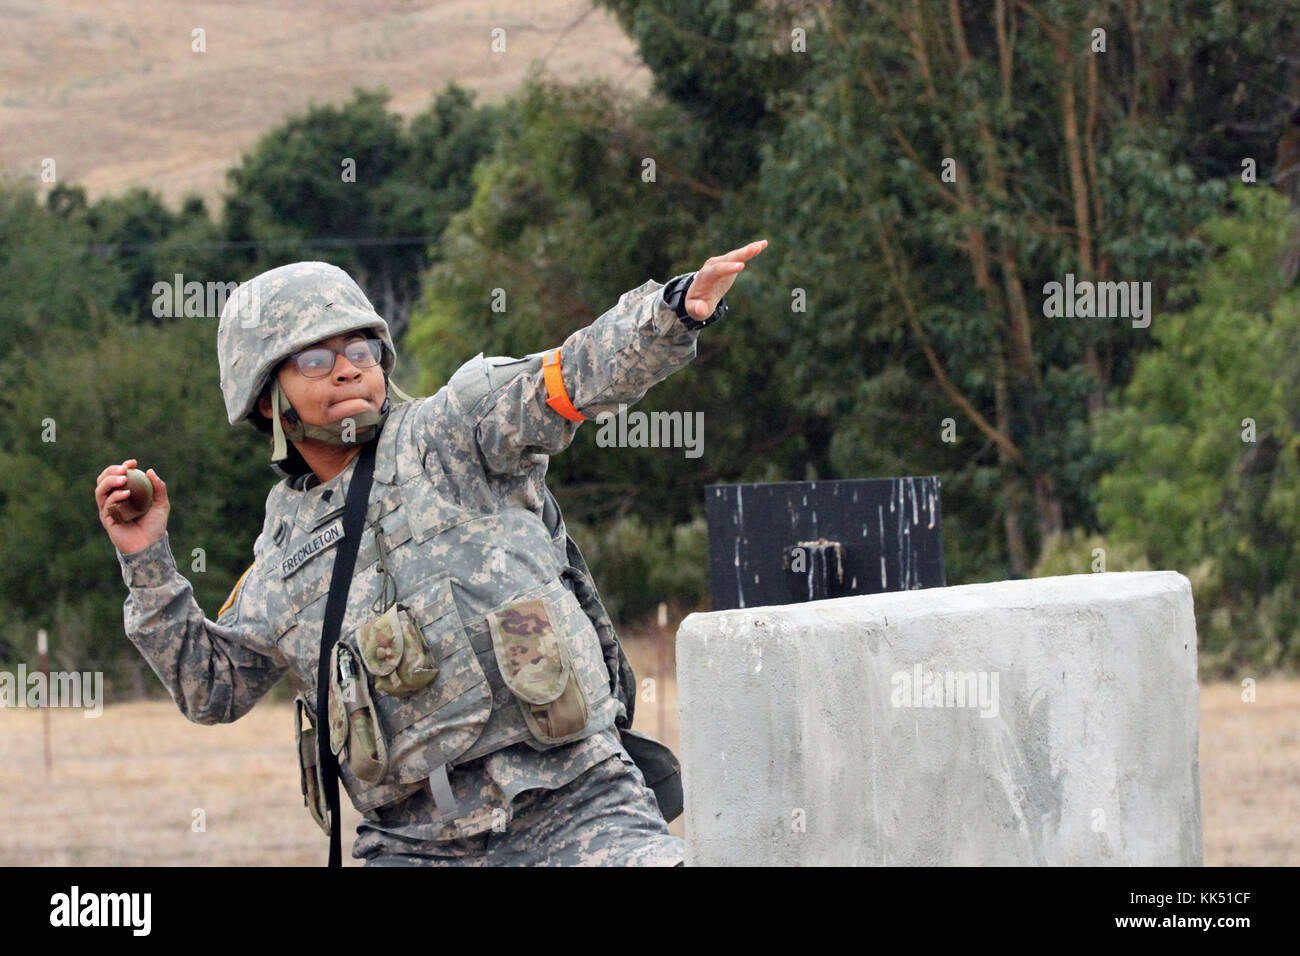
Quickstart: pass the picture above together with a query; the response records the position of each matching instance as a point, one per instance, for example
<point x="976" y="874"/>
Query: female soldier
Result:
<point x="469" y="695"/>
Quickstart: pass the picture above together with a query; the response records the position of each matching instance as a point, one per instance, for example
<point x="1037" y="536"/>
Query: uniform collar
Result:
<point x="324" y="500"/>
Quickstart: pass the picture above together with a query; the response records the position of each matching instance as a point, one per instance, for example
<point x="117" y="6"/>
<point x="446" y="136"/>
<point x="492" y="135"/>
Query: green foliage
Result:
<point x="336" y="174"/>
<point x="563" y="224"/>
<point x="1191" y="483"/>
<point x="716" y="59"/>
<point x="48" y="275"/>
<point x="1219" y="76"/>
<point x="1078" y="552"/>
<point x="88" y="401"/>
<point x="866" y="138"/>
<point x="638" y="565"/>
<point x="87" y="387"/>
<point x="150" y="243"/>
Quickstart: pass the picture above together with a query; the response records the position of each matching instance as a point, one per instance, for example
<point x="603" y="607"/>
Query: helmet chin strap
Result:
<point x="364" y="426"/>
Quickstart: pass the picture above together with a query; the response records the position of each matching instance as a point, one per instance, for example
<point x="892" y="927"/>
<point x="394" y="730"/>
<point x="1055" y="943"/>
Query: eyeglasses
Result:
<point x="319" y="361"/>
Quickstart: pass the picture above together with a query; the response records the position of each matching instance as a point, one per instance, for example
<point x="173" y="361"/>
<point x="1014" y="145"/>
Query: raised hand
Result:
<point x="715" y="278"/>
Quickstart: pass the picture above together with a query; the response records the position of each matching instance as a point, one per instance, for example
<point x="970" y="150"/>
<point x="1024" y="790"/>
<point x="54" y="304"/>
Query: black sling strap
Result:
<point x="345" y="559"/>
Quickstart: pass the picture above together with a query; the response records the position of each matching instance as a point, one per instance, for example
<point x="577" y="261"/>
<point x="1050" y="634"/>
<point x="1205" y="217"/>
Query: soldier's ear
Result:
<point x="264" y="400"/>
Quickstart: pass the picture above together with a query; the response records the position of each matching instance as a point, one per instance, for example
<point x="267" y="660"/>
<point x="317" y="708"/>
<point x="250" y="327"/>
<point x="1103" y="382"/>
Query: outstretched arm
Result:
<point x="522" y="408"/>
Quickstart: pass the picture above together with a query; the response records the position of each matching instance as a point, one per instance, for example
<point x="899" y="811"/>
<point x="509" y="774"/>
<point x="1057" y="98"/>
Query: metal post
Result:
<point x="43" y="649"/>
<point x="663" y="665"/>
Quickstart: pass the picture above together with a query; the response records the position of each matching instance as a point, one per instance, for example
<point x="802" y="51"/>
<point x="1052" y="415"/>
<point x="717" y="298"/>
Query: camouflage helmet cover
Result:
<point x="280" y="312"/>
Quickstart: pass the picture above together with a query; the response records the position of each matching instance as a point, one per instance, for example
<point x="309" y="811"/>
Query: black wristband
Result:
<point x="674" y="294"/>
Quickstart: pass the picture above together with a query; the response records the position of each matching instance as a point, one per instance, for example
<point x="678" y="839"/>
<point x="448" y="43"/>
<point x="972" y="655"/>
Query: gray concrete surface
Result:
<point x="1064" y="730"/>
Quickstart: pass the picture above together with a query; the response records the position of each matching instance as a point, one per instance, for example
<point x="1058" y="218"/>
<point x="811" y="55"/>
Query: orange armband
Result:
<point x="556" y="394"/>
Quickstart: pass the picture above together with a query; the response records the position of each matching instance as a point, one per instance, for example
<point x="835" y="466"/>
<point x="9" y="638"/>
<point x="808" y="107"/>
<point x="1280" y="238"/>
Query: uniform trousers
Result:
<point x="605" y="817"/>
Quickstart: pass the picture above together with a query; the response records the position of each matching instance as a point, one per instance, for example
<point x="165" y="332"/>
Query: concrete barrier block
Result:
<point x="1050" y="721"/>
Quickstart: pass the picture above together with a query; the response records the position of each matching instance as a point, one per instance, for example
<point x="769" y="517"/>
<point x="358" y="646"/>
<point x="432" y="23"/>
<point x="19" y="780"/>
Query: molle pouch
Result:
<point x="534" y="662"/>
<point x="313" y="788"/>
<point x="393" y="651"/>
<point x="353" y="719"/>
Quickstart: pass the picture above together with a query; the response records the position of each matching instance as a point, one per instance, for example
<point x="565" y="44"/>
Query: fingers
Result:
<point x="733" y="262"/>
<point x="107" y="493"/>
<point x="106" y="487"/>
<point x="711" y="277"/>
<point x="159" y="487"/>
<point x="715" y="277"/>
<point x="110" y="485"/>
<point x="116" y="469"/>
<point x="743" y="254"/>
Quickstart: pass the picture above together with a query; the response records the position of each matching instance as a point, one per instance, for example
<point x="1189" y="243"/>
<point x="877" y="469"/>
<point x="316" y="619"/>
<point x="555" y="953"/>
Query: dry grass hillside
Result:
<point x="111" y="90"/>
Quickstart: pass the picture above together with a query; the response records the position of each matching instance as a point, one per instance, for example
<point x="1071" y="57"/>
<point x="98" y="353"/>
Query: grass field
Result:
<point x="126" y="785"/>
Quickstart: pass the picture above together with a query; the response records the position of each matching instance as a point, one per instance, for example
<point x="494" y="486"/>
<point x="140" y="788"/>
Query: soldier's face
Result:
<point x="346" y="390"/>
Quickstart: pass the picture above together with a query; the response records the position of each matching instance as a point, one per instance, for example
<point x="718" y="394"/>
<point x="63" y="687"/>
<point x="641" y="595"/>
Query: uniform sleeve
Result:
<point x="215" y="670"/>
<point x="634" y="345"/>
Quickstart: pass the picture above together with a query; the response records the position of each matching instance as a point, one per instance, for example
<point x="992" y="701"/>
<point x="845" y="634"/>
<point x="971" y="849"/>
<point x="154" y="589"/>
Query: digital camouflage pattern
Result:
<point x="606" y="817"/>
<point x="454" y="532"/>
<point x="280" y="312"/>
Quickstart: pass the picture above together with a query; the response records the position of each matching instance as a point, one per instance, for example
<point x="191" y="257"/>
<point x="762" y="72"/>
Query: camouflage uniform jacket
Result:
<point x="454" y="531"/>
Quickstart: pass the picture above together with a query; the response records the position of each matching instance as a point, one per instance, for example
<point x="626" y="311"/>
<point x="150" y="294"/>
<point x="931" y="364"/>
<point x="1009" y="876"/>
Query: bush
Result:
<point x="637" y="566"/>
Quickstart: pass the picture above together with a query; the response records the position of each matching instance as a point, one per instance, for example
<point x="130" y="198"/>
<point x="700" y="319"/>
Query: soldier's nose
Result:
<point x="346" y="370"/>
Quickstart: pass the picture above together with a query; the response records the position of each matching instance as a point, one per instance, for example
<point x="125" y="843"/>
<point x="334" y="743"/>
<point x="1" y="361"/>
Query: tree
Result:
<point x="1204" y="443"/>
<point x="87" y="386"/>
<point x="49" y="276"/>
<point x="352" y="185"/>
<point x="720" y="62"/>
<point x="87" y="401"/>
<point x="562" y="223"/>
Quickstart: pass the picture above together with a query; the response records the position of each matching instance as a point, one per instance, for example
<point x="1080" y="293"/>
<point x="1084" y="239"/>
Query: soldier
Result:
<point x="473" y="706"/>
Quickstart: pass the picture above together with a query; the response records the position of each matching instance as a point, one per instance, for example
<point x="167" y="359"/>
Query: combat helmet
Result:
<point x="280" y="312"/>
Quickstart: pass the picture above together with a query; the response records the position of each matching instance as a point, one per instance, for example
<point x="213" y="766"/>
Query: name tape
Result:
<point x="319" y="542"/>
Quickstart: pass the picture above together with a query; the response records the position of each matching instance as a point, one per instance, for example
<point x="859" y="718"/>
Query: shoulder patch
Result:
<point x="235" y="591"/>
<point x="470" y="384"/>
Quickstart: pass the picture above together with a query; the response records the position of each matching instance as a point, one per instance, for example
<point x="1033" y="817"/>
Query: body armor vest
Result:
<point x="462" y="551"/>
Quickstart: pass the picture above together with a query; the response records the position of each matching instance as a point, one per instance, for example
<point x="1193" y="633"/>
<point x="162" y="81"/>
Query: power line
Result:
<point x="109" y="248"/>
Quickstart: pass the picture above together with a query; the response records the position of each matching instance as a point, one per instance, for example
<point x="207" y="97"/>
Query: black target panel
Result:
<point x="789" y="541"/>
